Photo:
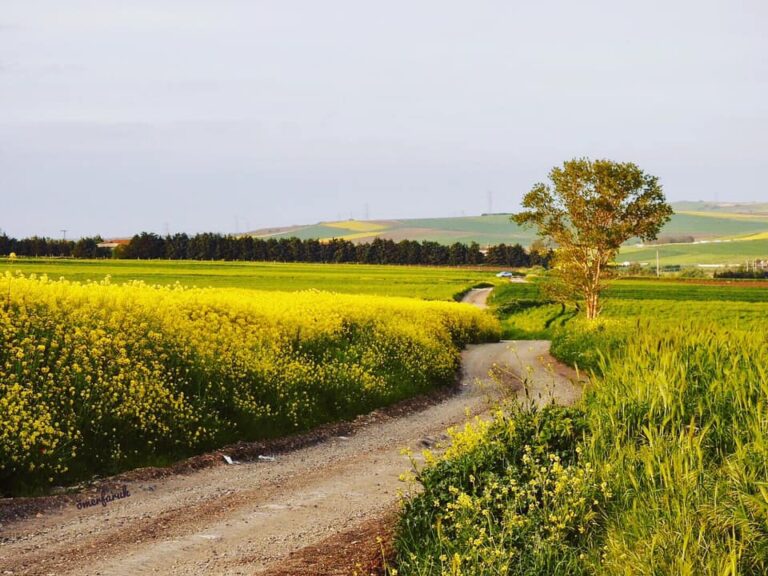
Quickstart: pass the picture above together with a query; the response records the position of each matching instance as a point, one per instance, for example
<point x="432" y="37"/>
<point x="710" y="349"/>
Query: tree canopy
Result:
<point x="589" y="208"/>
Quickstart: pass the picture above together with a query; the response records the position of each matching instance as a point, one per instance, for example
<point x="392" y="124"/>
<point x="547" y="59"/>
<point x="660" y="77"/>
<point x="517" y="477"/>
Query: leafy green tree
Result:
<point x="6" y="244"/>
<point x="176" y="246"/>
<point x="539" y="253"/>
<point x="87" y="248"/>
<point x="589" y="209"/>
<point x="457" y="254"/>
<point x="474" y="256"/>
<point x="145" y="246"/>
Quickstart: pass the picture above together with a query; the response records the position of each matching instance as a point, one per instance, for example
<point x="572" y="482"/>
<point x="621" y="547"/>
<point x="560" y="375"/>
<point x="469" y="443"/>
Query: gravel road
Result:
<point x="246" y="518"/>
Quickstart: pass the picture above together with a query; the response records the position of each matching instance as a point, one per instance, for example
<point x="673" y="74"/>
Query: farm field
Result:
<point x="688" y="290"/>
<point x="662" y="467"/>
<point x="724" y="253"/>
<point x="99" y="377"/>
<point x="752" y="208"/>
<point x="663" y="299"/>
<point x="490" y="229"/>
<point x="411" y="281"/>
<point x="700" y="220"/>
<point x="655" y="289"/>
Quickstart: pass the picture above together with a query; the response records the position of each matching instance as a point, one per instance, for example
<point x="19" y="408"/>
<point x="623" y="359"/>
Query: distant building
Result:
<point x="114" y="243"/>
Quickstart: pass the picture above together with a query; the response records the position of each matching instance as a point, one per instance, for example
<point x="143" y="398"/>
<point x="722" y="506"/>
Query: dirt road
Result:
<point x="247" y="518"/>
<point x="478" y="297"/>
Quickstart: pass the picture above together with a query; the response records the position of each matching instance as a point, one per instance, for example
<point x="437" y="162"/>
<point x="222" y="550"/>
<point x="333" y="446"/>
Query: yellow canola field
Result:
<point x="357" y="225"/>
<point x="96" y="377"/>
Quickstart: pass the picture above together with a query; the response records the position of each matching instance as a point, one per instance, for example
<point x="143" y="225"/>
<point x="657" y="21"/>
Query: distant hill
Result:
<point x="489" y="229"/>
<point x="706" y="233"/>
<point x="698" y="220"/>
<point x="755" y="208"/>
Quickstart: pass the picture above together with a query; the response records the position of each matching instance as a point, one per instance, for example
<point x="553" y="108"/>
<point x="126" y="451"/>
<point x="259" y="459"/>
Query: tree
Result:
<point x="145" y="246"/>
<point x="539" y="253"/>
<point x="588" y="211"/>
<point x="86" y="248"/>
<point x="176" y="246"/>
<point x="6" y="244"/>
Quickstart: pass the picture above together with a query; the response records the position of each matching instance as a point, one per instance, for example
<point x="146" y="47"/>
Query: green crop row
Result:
<point x="431" y="283"/>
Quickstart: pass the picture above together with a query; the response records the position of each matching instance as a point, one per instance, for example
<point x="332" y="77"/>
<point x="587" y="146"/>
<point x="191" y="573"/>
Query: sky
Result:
<point x="232" y="115"/>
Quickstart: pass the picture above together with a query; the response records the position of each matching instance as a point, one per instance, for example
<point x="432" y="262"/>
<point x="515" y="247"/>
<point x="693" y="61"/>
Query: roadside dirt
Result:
<point x="313" y="510"/>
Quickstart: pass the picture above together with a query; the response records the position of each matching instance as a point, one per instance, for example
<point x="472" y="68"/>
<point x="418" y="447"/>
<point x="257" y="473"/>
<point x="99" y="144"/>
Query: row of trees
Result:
<point x="209" y="246"/>
<point x="379" y="251"/>
<point x="38" y="246"/>
<point x="743" y="272"/>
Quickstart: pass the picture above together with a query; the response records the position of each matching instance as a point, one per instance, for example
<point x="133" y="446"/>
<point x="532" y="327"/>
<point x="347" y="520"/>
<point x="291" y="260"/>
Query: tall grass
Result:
<point x="673" y="455"/>
<point x="684" y="419"/>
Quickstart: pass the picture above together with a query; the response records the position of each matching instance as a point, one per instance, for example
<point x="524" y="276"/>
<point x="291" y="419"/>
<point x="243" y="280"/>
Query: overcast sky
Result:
<point x="227" y="115"/>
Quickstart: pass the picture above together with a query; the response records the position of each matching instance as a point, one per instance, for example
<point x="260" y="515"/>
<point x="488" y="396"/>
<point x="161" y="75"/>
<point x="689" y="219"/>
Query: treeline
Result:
<point x="743" y="273"/>
<point x="210" y="246"/>
<point x="669" y="239"/>
<point x="37" y="246"/>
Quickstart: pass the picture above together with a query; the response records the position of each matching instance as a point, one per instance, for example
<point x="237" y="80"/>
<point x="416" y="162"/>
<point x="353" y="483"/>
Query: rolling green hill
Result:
<point x="724" y="233"/>
<point x="760" y="208"/>
<point x="490" y="229"/>
<point x="724" y="253"/>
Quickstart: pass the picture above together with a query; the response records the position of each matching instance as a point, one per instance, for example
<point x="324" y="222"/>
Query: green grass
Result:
<point x="420" y="282"/>
<point x="652" y="289"/>
<point x="492" y="229"/>
<point x="525" y="315"/>
<point x="686" y="291"/>
<point x="714" y="225"/>
<point x="662" y="468"/>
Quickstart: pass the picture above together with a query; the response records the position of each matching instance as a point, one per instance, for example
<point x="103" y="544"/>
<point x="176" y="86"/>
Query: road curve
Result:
<point x="478" y="297"/>
<point x="246" y="518"/>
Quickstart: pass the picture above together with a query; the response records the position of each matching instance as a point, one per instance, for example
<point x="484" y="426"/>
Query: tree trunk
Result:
<point x="592" y="302"/>
<point x="593" y="287"/>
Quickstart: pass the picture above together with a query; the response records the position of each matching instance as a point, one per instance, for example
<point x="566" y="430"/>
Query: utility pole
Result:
<point x="658" y="272"/>
<point x="63" y="234"/>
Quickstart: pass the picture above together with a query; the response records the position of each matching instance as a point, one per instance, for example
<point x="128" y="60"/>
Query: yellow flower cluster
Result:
<point x="96" y="377"/>
<point x="511" y="495"/>
<point x="492" y="524"/>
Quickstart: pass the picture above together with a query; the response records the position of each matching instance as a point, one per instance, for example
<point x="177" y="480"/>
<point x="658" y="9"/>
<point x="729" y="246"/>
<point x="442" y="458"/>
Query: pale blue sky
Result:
<point x="186" y="115"/>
